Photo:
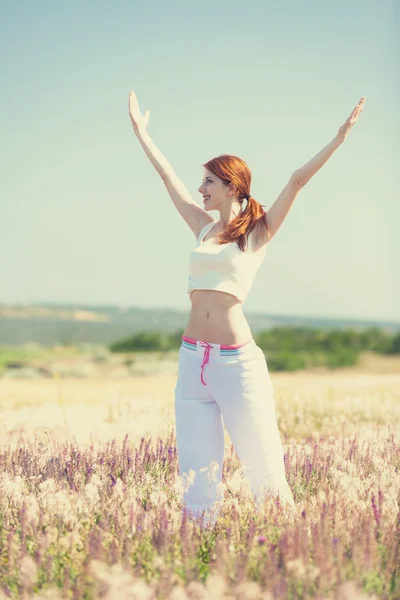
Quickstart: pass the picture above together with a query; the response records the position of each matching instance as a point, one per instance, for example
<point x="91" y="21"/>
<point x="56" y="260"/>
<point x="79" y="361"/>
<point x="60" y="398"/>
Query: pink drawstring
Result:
<point x="205" y="359"/>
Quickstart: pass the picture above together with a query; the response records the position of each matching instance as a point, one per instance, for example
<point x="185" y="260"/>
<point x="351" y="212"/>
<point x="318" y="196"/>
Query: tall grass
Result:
<point x="107" y="521"/>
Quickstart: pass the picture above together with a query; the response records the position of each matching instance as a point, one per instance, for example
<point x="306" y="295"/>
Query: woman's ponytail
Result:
<point x="232" y="169"/>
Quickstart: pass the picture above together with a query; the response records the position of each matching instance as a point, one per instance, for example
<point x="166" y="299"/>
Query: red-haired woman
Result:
<point x="223" y="376"/>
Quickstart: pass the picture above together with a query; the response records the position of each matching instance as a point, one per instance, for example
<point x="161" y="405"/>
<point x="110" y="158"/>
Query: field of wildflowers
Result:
<point x="90" y="495"/>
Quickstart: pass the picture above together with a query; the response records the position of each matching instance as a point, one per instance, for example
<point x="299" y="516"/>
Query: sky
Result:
<point x="85" y="217"/>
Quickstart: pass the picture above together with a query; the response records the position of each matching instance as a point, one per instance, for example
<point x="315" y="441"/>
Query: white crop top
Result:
<point x="223" y="267"/>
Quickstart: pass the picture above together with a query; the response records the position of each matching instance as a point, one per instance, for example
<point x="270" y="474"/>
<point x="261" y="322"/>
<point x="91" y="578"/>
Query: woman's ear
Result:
<point x="233" y="190"/>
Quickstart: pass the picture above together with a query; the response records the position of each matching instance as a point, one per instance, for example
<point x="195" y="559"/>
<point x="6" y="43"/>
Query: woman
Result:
<point x="223" y="376"/>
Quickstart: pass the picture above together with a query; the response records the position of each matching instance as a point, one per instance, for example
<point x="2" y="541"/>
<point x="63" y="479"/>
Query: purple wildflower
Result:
<point x="261" y="539"/>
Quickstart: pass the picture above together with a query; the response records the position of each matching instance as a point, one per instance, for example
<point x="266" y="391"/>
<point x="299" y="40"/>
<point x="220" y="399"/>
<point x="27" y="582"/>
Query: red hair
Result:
<point x="232" y="169"/>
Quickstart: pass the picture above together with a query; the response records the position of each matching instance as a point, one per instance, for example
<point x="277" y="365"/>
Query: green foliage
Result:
<point x="149" y="341"/>
<point x="286" y="361"/>
<point x="25" y="354"/>
<point x="377" y="340"/>
<point x="286" y="348"/>
<point x="343" y="357"/>
<point x="373" y="584"/>
<point x="393" y="346"/>
<point x="314" y="340"/>
<point x="17" y="355"/>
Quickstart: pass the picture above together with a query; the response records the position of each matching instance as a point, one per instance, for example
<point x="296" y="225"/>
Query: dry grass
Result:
<point x="103" y="409"/>
<point x="105" y="521"/>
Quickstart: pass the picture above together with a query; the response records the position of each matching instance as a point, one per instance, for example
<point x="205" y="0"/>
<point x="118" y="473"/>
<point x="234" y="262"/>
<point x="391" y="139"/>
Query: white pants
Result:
<point x="226" y="385"/>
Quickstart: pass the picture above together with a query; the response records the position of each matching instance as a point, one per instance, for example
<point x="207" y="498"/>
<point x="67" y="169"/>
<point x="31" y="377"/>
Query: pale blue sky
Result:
<point x="85" y="216"/>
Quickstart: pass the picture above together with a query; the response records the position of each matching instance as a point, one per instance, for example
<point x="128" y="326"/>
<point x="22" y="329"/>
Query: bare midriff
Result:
<point x="217" y="317"/>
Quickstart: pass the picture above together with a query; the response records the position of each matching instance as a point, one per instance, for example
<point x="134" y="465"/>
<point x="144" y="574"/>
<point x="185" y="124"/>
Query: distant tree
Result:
<point x="376" y="339"/>
<point x="394" y="346"/>
<point x="143" y="340"/>
<point x="285" y="361"/>
<point x="343" y="357"/>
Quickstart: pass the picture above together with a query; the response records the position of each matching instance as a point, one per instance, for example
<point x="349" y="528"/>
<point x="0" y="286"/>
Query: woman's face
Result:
<point x="213" y="190"/>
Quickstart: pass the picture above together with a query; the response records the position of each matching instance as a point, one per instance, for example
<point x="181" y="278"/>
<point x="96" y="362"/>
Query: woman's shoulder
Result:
<point x="258" y="236"/>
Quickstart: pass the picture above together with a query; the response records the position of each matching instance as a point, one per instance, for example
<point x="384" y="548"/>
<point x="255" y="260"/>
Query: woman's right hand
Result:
<point x="138" y="120"/>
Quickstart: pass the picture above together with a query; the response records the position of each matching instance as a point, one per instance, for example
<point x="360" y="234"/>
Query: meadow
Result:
<point x="91" y="492"/>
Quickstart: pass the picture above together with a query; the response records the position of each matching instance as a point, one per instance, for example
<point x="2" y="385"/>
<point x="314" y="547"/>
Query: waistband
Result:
<point x="223" y="349"/>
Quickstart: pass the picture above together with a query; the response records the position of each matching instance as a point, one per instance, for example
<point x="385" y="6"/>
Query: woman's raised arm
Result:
<point x="139" y="123"/>
<point x="195" y="216"/>
<point x="304" y="174"/>
<point x="280" y="208"/>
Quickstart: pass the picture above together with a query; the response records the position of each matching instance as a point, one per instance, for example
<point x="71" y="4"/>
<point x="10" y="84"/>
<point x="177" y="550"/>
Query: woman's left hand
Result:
<point x="345" y="128"/>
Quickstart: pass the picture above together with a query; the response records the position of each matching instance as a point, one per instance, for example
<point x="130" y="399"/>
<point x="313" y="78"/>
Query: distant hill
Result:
<point x="50" y="324"/>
